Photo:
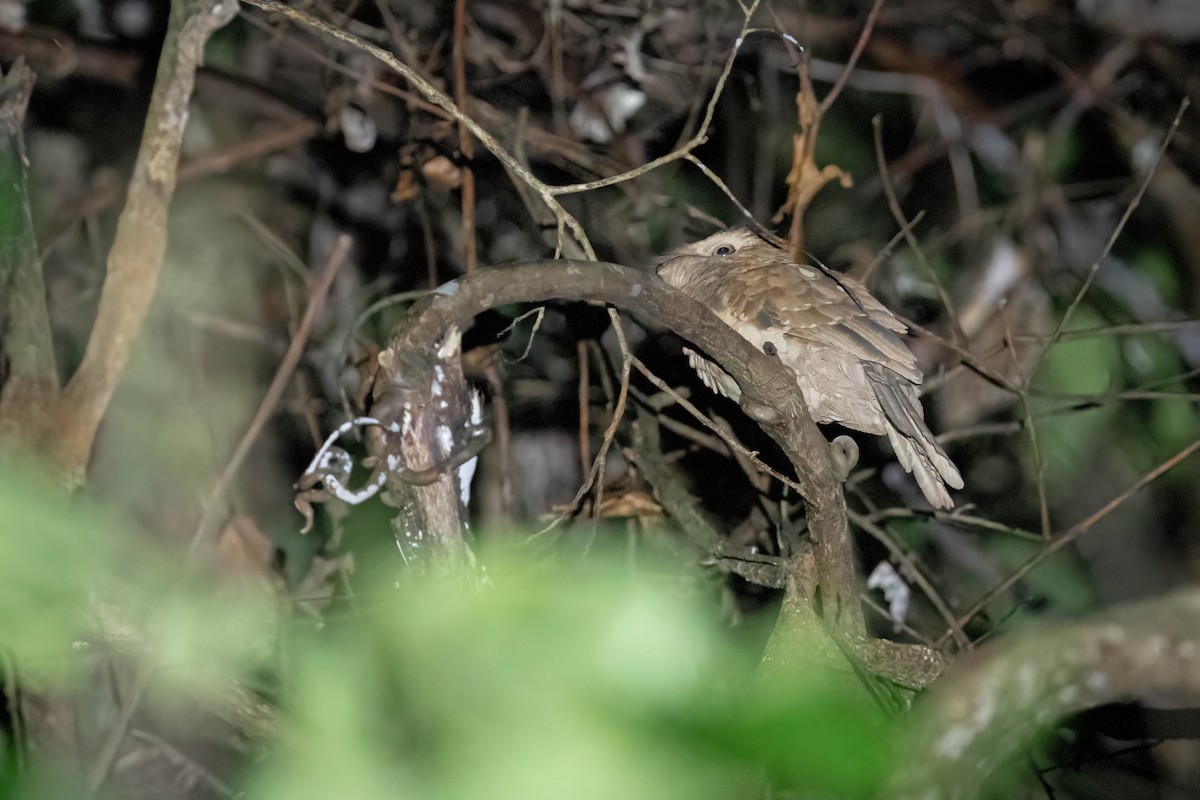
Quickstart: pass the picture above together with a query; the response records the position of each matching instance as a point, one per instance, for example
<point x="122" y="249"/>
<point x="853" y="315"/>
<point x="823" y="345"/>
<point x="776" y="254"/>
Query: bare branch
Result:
<point x="136" y="258"/>
<point x="985" y="707"/>
<point x="766" y="384"/>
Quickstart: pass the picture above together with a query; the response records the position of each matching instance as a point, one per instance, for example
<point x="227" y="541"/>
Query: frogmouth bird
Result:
<point x="843" y="344"/>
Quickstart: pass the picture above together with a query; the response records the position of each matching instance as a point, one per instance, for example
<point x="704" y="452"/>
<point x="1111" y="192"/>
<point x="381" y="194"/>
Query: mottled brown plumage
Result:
<point x="844" y="346"/>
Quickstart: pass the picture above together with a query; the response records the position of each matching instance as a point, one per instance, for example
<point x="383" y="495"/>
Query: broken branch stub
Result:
<point x="427" y="446"/>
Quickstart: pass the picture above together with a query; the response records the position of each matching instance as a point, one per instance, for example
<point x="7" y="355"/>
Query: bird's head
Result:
<point x="721" y="245"/>
<point x="716" y="255"/>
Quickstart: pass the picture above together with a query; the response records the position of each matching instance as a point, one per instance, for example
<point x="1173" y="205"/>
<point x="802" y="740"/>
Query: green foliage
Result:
<point x="68" y="568"/>
<point x="1060" y="582"/>
<point x="1156" y="264"/>
<point x="579" y="681"/>
<point x="548" y="679"/>
<point x="1076" y="367"/>
<point x="50" y="551"/>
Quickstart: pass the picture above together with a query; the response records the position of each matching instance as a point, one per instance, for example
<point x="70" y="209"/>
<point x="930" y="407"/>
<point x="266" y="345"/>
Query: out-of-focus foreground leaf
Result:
<point x="581" y="681"/>
<point x="51" y="551"/>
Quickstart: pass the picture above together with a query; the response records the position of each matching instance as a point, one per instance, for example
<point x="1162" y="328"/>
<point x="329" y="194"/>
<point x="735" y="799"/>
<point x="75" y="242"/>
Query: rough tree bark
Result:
<point x="993" y="701"/>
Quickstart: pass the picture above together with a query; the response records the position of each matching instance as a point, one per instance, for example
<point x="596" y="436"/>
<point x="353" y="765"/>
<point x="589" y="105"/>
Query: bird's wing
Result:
<point x="804" y="303"/>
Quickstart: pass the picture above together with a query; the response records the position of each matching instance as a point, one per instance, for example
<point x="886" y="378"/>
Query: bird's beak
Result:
<point x="658" y="262"/>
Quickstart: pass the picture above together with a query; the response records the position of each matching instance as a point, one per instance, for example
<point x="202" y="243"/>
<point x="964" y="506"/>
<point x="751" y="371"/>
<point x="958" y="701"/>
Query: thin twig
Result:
<point x="969" y="359"/>
<point x="1112" y="239"/>
<point x="731" y="443"/>
<point x="698" y="139"/>
<point x="758" y="480"/>
<point x="720" y="184"/>
<point x="266" y="407"/>
<point x="432" y="94"/>
<point x="181" y="759"/>
<point x="116" y="734"/>
<point x="618" y="411"/>
<point x="596" y="473"/>
<point x="1074" y="532"/>
<point x="465" y="146"/>
<point x="913" y="572"/>
<point x="1125" y="329"/>
<point x="886" y="253"/>
<point x="859" y="46"/>
<point x="956" y="518"/>
<point x="685" y="431"/>
<point x="1039" y="466"/>
<point x="898" y="213"/>
<point x="215" y="163"/>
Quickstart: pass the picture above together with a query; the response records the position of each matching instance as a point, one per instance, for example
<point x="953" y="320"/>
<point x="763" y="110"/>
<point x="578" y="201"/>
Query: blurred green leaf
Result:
<point x="574" y="681"/>
<point x="70" y="570"/>
<point x="51" y="550"/>
<point x="1157" y="264"/>
<point x="1174" y="424"/>
<point x="1075" y="367"/>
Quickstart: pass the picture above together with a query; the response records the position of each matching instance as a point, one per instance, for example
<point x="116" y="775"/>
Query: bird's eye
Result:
<point x="723" y="250"/>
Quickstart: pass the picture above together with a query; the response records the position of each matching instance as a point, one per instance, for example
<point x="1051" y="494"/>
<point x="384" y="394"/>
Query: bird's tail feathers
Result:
<point x="916" y="448"/>
<point x="915" y="461"/>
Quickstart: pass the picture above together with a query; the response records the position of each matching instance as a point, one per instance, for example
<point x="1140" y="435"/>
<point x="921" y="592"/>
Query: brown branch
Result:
<point x="434" y="419"/>
<point x="768" y="388"/>
<point x="136" y="258"/>
<point x="670" y="486"/>
<point x="859" y="46"/>
<point x="289" y="134"/>
<point x="988" y="705"/>
<point x="596" y="476"/>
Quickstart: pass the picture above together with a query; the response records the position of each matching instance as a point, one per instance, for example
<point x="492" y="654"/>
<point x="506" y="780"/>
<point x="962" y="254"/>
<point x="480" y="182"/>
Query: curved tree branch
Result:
<point x="407" y="377"/>
<point x="991" y="702"/>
